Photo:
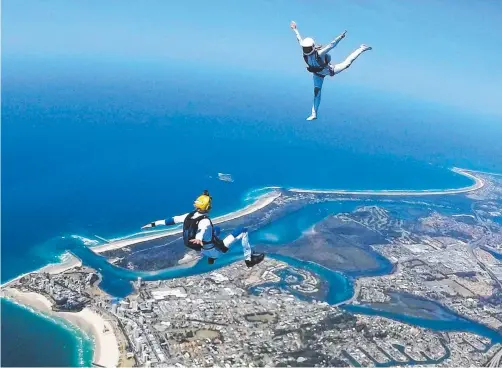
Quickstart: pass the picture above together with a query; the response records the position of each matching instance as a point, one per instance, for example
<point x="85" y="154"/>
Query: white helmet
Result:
<point x="308" y="46"/>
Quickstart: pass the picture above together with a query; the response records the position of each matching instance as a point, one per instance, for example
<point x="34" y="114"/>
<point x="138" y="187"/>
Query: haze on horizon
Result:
<point x="448" y="52"/>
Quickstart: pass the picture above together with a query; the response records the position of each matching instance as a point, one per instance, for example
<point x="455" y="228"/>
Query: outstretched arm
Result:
<point x="295" y="29"/>
<point x="331" y="45"/>
<point x="169" y="221"/>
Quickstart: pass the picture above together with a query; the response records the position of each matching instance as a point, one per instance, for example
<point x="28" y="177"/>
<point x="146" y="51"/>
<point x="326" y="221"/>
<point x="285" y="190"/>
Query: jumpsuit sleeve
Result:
<point x="179" y="219"/>
<point x="169" y="221"/>
<point x="329" y="47"/>
<point x="298" y="37"/>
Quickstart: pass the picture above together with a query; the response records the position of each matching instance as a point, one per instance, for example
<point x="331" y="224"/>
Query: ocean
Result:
<point x="31" y="340"/>
<point x="101" y="148"/>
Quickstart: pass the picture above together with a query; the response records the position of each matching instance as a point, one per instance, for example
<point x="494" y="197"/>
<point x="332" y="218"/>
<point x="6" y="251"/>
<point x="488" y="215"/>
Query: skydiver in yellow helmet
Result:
<point x="200" y="234"/>
<point x="319" y="64"/>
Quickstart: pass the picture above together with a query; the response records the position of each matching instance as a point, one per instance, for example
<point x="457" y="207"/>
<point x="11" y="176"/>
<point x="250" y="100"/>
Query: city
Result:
<point x="410" y="265"/>
<point x="212" y="319"/>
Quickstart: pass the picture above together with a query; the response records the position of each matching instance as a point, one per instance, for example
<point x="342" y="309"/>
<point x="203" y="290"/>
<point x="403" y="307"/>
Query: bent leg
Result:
<point x="337" y="68"/>
<point x="239" y="233"/>
<point x="251" y="258"/>
<point x="318" y="81"/>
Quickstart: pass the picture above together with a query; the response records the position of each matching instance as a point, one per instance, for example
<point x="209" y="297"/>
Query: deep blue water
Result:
<point x="102" y="148"/>
<point x="28" y="340"/>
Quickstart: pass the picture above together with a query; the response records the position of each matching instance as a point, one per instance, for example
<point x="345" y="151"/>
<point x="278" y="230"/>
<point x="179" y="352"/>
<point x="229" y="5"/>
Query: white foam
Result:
<point x="66" y="256"/>
<point x="259" y="192"/>
<point x="270" y="237"/>
<point x="86" y="241"/>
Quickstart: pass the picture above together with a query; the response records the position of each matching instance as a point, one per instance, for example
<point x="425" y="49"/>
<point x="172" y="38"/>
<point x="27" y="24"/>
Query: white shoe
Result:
<point x="366" y="47"/>
<point x="312" y="117"/>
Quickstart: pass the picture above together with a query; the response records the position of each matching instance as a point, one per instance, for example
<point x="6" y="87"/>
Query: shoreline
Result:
<point x="267" y="199"/>
<point x="260" y="203"/>
<point x="106" y="350"/>
<point x="68" y="263"/>
<point x="478" y="184"/>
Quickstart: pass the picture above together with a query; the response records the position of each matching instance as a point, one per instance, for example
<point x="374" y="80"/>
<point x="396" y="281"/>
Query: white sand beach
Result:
<point x="106" y="351"/>
<point x="70" y="261"/>
<point x="478" y="184"/>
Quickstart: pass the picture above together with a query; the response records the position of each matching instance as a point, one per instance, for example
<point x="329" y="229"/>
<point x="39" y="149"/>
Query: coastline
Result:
<point x="106" y="350"/>
<point x="71" y="261"/>
<point x="106" y="347"/>
<point x="267" y="199"/>
<point x="478" y="184"/>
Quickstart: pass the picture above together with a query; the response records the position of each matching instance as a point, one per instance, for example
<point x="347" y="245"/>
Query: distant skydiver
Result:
<point x="200" y="234"/>
<point x="318" y="63"/>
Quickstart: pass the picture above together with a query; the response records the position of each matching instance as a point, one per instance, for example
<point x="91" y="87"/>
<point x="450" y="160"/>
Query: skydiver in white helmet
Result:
<point x="318" y="63"/>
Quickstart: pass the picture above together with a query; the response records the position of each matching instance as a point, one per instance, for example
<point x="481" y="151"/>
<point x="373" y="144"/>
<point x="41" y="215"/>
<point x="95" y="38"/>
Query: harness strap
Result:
<point x="316" y="69"/>
<point x="215" y="242"/>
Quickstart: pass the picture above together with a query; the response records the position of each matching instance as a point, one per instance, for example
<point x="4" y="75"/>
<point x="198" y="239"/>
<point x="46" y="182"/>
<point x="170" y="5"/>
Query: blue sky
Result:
<point x="447" y="51"/>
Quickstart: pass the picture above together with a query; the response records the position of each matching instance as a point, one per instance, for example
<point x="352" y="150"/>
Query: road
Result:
<point x="495" y="362"/>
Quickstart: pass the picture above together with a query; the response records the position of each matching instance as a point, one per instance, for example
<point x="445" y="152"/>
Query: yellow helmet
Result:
<point x="203" y="202"/>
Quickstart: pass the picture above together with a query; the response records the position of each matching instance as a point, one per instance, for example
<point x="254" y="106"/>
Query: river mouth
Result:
<point x="337" y="263"/>
<point x="328" y="245"/>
